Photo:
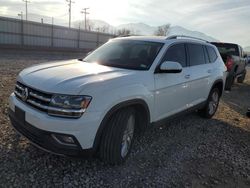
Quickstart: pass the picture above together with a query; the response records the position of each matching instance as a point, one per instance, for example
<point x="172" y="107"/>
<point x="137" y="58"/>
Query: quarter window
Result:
<point x="176" y="53"/>
<point x="212" y="54"/>
<point x="196" y="54"/>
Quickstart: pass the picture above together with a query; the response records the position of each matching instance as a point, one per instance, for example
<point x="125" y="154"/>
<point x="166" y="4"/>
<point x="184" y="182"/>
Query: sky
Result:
<point x="225" y="20"/>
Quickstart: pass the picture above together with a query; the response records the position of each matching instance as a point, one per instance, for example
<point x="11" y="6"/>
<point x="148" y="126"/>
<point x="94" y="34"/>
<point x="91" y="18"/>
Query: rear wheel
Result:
<point x="118" y="136"/>
<point x="241" y="78"/>
<point x="212" y="104"/>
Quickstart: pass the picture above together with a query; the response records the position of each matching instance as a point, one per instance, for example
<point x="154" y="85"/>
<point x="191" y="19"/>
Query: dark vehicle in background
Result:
<point x="248" y="59"/>
<point x="235" y="61"/>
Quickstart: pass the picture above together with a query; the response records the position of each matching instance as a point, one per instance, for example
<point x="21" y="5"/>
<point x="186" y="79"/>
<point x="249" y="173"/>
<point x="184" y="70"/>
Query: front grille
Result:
<point x="33" y="97"/>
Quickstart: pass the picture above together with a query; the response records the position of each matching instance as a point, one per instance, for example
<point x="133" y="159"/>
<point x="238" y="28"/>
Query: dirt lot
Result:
<point x="189" y="152"/>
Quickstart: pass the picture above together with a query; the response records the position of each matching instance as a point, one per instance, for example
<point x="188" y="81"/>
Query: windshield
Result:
<point x="128" y="54"/>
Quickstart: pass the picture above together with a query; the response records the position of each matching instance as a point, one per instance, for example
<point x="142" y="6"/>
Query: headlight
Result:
<point x="68" y="106"/>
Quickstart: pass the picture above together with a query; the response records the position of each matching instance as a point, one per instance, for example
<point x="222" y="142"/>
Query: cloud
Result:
<point x="227" y="20"/>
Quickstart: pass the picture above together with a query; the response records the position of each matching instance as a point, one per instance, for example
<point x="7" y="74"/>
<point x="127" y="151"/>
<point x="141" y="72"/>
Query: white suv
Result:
<point x="98" y="104"/>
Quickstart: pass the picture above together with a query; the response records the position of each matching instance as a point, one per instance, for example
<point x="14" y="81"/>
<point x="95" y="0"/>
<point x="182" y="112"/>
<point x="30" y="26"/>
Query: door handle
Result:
<point x="187" y="76"/>
<point x="209" y="71"/>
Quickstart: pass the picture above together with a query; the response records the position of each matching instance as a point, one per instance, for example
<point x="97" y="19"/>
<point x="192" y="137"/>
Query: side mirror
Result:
<point x="170" y="67"/>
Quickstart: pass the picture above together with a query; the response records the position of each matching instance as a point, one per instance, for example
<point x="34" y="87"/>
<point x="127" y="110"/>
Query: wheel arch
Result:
<point x="129" y="103"/>
<point x="219" y="84"/>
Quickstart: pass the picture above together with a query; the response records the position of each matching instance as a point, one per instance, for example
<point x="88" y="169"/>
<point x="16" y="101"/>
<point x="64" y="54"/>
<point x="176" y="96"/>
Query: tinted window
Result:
<point x="212" y="54"/>
<point x="227" y="49"/>
<point x="196" y="54"/>
<point x="176" y="53"/>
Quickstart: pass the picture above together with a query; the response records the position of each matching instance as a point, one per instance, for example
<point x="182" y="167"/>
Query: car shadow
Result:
<point x="239" y="98"/>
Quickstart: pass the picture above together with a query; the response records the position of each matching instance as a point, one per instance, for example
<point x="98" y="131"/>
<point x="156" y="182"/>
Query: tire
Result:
<point x="212" y="104"/>
<point x="241" y="78"/>
<point x="115" y="143"/>
<point x="229" y="83"/>
<point x="248" y="112"/>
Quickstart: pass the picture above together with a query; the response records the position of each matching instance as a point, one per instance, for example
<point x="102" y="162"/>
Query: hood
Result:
<point x="68" y="77"/>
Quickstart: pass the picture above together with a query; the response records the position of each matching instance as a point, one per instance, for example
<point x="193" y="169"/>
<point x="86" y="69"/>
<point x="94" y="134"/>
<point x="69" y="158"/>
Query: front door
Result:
<point x="171" y="89"/>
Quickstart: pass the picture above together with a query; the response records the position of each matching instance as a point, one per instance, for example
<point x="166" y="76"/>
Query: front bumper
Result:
<point x="44" y="139"/>
<point x="38" y="127"/>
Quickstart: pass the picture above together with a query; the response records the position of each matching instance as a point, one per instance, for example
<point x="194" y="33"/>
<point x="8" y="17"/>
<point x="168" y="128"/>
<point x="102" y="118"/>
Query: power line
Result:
<point x="70" y="2"/>
<point x="84" y="11"/>
<point x="26" y="8"/>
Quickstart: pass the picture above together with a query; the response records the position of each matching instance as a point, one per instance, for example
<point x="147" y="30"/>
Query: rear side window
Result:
<point x="196" y="54"/>
<point x="211" y="54"/>
<point x="176" y="53"/>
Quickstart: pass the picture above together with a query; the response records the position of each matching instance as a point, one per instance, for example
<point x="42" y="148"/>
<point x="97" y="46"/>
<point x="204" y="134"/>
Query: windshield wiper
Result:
<point x="81" y="59"/>
<point x="123" y="66"/>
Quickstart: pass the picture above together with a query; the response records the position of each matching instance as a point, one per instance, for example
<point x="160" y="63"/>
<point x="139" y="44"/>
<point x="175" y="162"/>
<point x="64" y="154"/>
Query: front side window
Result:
<point x="128" y="54"/>
<point x="196" y="54"/>
<point x="176" y="53"/>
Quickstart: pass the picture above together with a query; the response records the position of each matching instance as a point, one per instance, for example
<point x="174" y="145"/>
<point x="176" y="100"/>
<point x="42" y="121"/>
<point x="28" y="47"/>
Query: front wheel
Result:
<point x="118" y="136"/>
<point x="212" y="104"/>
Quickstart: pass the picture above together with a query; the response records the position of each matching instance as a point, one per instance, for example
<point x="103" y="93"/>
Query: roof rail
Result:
<point x="184" y="36"/>
<point x="128" y="35"/>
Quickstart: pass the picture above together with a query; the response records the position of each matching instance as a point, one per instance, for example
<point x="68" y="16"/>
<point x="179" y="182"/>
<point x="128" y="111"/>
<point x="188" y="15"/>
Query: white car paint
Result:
<point x="164" y="94"/>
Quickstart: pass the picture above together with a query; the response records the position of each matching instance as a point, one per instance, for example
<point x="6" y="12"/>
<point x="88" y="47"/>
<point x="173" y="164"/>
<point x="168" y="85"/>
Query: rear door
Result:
<point x="200" y="72"/>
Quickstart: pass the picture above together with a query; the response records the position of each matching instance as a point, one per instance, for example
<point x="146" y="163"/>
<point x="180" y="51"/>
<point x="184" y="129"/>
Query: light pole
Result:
<point x="21" y="15"/>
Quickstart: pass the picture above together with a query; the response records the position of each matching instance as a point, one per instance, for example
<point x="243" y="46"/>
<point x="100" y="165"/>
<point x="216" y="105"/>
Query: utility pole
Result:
<point x="70" y="3"/>
<point x="22" y="37"/>
<point x="26" y="8"/>
<point x="52" y="32"/>
<point x="84" y="11"/>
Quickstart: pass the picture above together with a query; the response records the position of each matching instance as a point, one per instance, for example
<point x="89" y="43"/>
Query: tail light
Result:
<point x="229" y="63"/>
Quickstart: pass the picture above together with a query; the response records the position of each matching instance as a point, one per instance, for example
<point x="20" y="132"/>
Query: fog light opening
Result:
<point x="64" y="139"/>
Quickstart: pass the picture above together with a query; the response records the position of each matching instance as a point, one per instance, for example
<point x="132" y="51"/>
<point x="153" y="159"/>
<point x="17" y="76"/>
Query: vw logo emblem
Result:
<point x="25" y="94"/>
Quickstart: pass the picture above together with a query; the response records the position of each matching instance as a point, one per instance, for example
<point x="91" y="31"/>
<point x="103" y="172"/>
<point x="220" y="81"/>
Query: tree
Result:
<point x="162" y="30"/>
<point x="123" y="32"/>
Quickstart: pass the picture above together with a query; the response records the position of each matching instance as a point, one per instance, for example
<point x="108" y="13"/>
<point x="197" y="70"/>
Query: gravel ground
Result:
<point x="188" y="152"/>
